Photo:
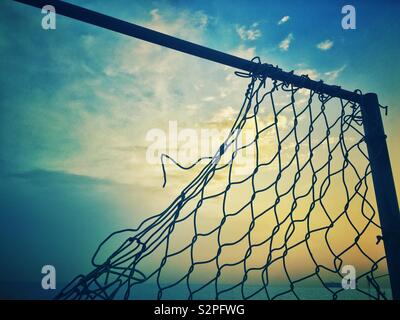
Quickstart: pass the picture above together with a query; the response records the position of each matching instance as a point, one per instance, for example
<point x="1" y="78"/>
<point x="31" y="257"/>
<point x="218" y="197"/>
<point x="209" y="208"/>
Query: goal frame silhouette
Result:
<point x="375" y="137"/>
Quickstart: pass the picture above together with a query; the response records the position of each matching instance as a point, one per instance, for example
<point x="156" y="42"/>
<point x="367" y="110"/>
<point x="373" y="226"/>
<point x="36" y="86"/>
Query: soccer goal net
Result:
<point x="284" y="209"/>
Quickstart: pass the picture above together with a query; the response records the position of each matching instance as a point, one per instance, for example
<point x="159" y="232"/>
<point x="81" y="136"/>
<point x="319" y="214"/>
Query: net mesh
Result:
<point x="285" y="203"/>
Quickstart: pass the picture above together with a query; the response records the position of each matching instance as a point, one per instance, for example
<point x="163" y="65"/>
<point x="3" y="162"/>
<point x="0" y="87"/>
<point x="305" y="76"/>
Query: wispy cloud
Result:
<point x="315" y="74"/>
<point x="202" y="20"/>
<point x="285" y="43"/>
<point x="178" y="24"/>
<point x="251" y="33"/>
<point x="226" y="113"/>
<point x="244" y="52"/>
<point x="283" y="20"/>
<point x="312" y="73"/>
<point x="138" y="89"/>
<point x="209" y="98"/>
<point x="155" y="16"/>
<point x="332" y="75"/>
<point x="325" y="45"/>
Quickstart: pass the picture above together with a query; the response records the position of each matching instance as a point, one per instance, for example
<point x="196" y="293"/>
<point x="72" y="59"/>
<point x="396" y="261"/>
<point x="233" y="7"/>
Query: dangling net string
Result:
<point x="282" y="228"/>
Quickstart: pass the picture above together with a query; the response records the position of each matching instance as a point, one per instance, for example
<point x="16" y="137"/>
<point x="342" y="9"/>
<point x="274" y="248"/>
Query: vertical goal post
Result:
<point x="385" y="191"/>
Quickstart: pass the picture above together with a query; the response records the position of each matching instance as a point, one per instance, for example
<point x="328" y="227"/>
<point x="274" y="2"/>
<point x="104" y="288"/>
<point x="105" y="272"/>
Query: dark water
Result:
<point x="25" y="291"/>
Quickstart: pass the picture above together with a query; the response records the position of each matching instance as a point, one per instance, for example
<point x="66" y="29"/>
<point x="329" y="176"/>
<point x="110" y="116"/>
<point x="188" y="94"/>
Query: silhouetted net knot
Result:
<point x="254" y="73"/>
<point x="386" y="108"/>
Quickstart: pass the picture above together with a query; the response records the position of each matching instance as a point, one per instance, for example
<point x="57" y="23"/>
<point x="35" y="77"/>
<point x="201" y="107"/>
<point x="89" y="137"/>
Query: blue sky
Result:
<point x="73" y="122"/>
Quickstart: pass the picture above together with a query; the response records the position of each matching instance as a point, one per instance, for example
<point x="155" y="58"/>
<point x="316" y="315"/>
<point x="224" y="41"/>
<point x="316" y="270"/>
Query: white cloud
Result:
<point x="312" y="73"/>
<point x="303" y="92"/>
<point x="325" y="45"/>
<point x="147" y="86"/>
<point x="192" y="107"/>
<point x="155" y="16"/>
<point x="283" y="20"/>
<point x="244" y="52"/>
<point x="251" y="33"/>
<point x="285" y="43"/>
<point x="209" y="99"/>
<point x="316" y="75"/>
<point x="202" y="19"/>
<point x="187" y="25"/>
<point x="332" y="75"/>
<point x="223" y="114"/>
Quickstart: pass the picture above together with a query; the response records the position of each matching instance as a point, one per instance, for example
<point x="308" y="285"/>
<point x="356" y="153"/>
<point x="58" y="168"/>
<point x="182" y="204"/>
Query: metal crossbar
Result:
<point x="139" y="32"/>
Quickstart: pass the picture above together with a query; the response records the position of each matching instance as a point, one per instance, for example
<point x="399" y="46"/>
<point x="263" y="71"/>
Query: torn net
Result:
<point x="281" y="225"/>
